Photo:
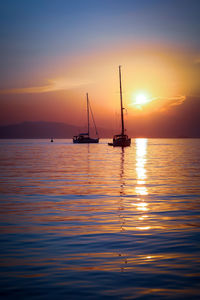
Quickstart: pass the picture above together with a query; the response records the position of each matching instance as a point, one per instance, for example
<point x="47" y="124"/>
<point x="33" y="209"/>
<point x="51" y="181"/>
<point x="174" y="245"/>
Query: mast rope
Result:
<point x="93" y="120"/>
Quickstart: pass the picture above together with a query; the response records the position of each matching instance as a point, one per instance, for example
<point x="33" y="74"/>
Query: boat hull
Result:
<point x="85" y="140"/>
<point x="120" y="141"/>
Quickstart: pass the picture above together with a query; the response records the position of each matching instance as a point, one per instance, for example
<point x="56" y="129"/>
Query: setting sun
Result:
<point x="141" y="99"/>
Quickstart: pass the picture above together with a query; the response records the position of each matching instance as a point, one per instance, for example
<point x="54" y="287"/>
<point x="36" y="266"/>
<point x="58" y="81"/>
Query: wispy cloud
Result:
<point x="159" y="103"/>
<point x="51" y="86"/>
<point x="171" y="101"/>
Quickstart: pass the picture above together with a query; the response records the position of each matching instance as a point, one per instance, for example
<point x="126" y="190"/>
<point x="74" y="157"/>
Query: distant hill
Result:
<point x="43" y="130"/>
<point x="34" y="130"/>
<point x="181" y="121"/>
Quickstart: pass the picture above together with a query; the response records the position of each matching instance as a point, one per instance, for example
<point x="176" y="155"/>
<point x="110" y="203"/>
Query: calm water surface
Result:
<point x="97" y="222"/>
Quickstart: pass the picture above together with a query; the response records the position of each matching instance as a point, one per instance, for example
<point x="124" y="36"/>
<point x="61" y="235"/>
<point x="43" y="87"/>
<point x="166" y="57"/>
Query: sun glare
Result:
<point x="141" y="99"/>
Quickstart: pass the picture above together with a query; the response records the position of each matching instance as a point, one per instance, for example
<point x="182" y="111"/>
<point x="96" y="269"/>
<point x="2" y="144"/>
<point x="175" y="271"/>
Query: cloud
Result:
<point x="159" y="104"/>
<point x="171" y="101"/>
<point x="52" y="86"/>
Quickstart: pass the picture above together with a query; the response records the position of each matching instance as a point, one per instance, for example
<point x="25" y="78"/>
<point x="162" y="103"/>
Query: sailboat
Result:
<point x="84" y="138"/>
<point x="121" y="140"/>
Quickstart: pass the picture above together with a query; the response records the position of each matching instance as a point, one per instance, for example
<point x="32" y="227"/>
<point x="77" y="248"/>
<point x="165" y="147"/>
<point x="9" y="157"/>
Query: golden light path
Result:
<point x="141" y="190"/>
<point x="141" y="145"/>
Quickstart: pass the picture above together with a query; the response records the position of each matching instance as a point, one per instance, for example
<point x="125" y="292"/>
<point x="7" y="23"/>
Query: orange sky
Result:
<point x="48" y="75"/>
<point x="166" y="77"/>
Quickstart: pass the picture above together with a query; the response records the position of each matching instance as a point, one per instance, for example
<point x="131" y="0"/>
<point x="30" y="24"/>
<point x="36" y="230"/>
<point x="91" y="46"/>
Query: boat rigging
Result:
<point x="84" y="138"/>
<point x="121" y="140"/>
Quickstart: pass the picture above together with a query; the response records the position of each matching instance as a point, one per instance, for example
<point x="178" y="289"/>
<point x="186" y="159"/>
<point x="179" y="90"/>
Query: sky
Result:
<point x="54" y="52"/>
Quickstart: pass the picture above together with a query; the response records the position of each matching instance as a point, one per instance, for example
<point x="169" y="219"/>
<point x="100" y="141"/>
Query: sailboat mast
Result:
<point x="122" y="115"/>
<point x="88" y="115"/>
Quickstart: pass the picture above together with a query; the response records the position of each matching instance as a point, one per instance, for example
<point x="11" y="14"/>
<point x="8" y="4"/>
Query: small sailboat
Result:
<point x="84" y="138"/>
<point x="121" y="140"/>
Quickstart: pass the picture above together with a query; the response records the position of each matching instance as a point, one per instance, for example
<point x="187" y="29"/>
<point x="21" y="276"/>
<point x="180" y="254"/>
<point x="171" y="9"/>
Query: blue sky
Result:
<point x="35" y="31"/>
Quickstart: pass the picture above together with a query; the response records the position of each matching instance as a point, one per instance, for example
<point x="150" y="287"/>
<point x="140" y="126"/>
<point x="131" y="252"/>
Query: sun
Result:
<point x="141" y="99"/>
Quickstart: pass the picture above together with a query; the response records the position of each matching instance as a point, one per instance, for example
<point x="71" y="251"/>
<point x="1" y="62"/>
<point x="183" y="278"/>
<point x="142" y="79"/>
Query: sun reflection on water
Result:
<point x="141" y="188"/>
<point x="141" y="206"/>
<point x="141" y="149"/>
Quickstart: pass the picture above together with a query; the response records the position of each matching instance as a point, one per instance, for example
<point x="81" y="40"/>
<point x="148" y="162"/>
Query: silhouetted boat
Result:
<point x="51" y="140"/>
<point x="84" y="138"/>
<point x="121" y="140"/>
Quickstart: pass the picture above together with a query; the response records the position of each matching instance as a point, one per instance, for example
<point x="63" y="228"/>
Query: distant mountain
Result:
<point x="34" y="130"/>
<point x="43" y="130"/>
<point x="181" y="121"/>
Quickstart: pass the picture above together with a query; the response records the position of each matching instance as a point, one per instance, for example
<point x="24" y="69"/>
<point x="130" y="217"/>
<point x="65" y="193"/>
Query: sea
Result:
<point x="95" y="222"/>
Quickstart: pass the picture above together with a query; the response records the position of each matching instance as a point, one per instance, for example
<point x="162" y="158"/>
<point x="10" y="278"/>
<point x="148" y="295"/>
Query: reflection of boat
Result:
<point x="122" y="192"/>
<point x="84" y="138"/>
<point x="121" y="140"/>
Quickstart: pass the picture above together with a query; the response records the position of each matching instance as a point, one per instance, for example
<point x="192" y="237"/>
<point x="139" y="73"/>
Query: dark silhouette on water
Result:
<point x="121" y="140"/>
<point x="84" y="138"/>
<point x="51" y="140"/>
